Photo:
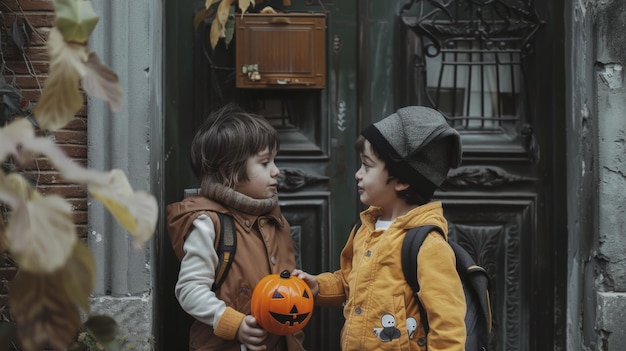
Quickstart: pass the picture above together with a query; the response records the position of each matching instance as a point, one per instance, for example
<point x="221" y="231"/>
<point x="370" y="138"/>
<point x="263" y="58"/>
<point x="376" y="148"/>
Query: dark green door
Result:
<point x="504" y="203"/>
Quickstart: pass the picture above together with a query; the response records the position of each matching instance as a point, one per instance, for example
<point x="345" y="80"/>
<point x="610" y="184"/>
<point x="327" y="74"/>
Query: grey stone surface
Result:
<point x="133" y="316"/>
<point x="611" y="322"/>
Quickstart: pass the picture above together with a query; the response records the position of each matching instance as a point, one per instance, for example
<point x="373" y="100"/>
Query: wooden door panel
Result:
<point x="497" y="232"/>
<point x="473" y="62"/>
<point x="308" y="215"/>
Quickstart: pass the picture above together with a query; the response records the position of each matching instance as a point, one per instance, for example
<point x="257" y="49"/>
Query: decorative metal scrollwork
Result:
<point x="476" y="52"/>
<point x="293" y="179"/>
<point x="483" y="176"/>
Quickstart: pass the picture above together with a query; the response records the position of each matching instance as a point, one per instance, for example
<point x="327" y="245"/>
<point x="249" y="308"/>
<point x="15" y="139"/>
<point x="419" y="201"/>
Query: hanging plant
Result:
<point x="222" y="27"/>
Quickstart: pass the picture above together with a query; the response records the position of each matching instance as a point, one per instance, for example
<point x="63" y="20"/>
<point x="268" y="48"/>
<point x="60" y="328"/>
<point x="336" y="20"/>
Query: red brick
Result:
<point x="30" y="5"/>
<point x="70" y="137"/>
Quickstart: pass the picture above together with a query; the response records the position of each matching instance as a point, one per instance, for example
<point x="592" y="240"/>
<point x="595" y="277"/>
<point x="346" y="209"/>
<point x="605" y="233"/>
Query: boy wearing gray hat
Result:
<point x="404" y="159"/>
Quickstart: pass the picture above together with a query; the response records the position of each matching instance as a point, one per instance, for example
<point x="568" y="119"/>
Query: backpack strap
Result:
<point x="356" y="227"/>
<point x="413" y="240"/>
<point x="226" y="247"/>
<point x="478" y="278"/>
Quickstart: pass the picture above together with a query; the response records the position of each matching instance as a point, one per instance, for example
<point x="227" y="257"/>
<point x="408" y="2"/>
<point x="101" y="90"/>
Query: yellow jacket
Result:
<point x="380" y="310"/>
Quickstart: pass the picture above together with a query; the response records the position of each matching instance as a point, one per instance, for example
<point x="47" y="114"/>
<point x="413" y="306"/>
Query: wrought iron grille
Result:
<point x="472" y="57"/>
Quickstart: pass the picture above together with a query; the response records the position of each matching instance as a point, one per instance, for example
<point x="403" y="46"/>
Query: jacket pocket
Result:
<point x="390" y="326"/>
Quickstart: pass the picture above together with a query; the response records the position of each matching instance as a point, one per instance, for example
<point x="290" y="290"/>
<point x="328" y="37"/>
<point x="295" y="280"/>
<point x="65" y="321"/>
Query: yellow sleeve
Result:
<point x="228" y="325"/>
<point x="334" y="288"/>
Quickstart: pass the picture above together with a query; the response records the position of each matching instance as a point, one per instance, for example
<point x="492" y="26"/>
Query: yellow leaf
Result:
<point x="244" y="5"/>
<point x="100" y="81"/>
<point x="136" y="211"/>
<point x="75" y="19"/>
<point x="215" y="33"/>
<point x="18" y="186"/>
<point x="61" y="97"/>
<point x="42" y="311"/>
<point x="41" y="233"/>
<point x="79" y="275"/>
<point x="223" y="10"/>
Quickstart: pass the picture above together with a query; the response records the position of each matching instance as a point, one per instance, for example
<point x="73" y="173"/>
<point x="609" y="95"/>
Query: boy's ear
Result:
<point x="400" y="186"/>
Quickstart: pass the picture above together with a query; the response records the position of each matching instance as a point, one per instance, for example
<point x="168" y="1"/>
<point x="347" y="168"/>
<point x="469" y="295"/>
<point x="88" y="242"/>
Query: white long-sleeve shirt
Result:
<point x="197" y="274"/>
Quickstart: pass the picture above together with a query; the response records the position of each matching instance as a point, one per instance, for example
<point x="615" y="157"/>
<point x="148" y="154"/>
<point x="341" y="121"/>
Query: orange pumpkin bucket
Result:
<point x="282" y="304"/>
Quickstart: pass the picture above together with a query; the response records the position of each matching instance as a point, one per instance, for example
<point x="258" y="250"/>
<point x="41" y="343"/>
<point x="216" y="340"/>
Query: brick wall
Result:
<point x="28" y="71"/>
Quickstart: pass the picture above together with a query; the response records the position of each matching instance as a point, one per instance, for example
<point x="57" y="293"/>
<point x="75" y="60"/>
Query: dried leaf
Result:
<point x="41" y="233"/>
<point x="42" y="310"/>
<point x="102" y="327"/>
<point x="79" y="275"/>
<point x="67" y="167"/>
<point x="61" y="98"/>
<point x="245" y="4"/>
<point x="100" y="81"/>
<point x="202" y="15"/>
<point x="223" y="11"/>
<point x="215" y="33"/>
<point x="136" y="211"/>
<point x="75" y="19"/>
<point x="18" y="131"/>
<point x="208" y="3"/>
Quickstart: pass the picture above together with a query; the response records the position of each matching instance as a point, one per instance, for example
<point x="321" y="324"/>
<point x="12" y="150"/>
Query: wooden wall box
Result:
<point x="280" y="51"/>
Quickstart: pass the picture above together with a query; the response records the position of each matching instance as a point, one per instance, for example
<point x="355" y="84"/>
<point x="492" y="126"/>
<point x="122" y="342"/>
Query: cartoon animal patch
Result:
<point x="389" y="331"/>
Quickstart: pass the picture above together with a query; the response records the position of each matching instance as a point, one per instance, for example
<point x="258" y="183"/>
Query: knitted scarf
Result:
<point x="231" y="198"/>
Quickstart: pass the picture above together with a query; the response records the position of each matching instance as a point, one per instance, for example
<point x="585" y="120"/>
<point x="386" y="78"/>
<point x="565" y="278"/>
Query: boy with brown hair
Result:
<point x="404" y="159"/>
<point x="233" y="155"/>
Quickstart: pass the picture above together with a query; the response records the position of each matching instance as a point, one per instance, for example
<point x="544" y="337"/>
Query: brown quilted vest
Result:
<point x="264" y="246"/>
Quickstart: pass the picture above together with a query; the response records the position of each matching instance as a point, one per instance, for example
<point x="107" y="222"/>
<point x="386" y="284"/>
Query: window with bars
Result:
<point x="468" y="59"/>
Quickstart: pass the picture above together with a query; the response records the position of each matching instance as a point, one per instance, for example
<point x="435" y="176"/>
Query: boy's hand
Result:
<point x="251" y="334"/>
<point x="309" y="279"/>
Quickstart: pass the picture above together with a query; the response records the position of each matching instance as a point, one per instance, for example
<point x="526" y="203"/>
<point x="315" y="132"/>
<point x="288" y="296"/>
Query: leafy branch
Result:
<point x="56" y="270"/>
<point x="220" y="24"/>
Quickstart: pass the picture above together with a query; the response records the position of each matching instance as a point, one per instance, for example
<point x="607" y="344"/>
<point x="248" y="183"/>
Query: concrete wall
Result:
<point x="596" y="176"/>
<point x="128" y="38"/>
<point x="610" y="57"/>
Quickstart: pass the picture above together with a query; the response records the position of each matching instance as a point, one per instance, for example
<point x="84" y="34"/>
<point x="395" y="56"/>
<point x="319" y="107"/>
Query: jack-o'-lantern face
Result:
<point x="282" y="304"/>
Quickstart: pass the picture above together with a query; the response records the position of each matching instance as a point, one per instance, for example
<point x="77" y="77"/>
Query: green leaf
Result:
<point x="75" y="19"/>
<point x="22" y="33"/>
<point x="229" y="27"/>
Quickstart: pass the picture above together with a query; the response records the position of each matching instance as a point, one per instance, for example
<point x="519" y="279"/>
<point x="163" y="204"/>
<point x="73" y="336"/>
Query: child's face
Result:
<point x="372" y="180"/>
<point x="262" y="176"/>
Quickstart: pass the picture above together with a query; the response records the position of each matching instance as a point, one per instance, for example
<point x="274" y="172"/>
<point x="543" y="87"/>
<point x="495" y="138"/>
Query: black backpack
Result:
<point x="225" y="242"/>
<point x="225" y="246"/>
<point x="475" y="285"/>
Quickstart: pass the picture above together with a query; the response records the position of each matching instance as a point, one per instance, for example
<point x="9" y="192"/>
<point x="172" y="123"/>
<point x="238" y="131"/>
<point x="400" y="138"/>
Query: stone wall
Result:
<point x="596" y="154"/>
<point x="610" y="58"/>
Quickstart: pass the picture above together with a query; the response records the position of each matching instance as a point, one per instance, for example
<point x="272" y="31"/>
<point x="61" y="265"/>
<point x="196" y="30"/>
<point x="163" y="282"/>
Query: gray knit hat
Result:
<point x="426" y="144"/>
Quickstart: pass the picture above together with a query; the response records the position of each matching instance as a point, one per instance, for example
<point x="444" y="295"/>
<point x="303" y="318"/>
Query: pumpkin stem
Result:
<point x="285" y="274"/>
